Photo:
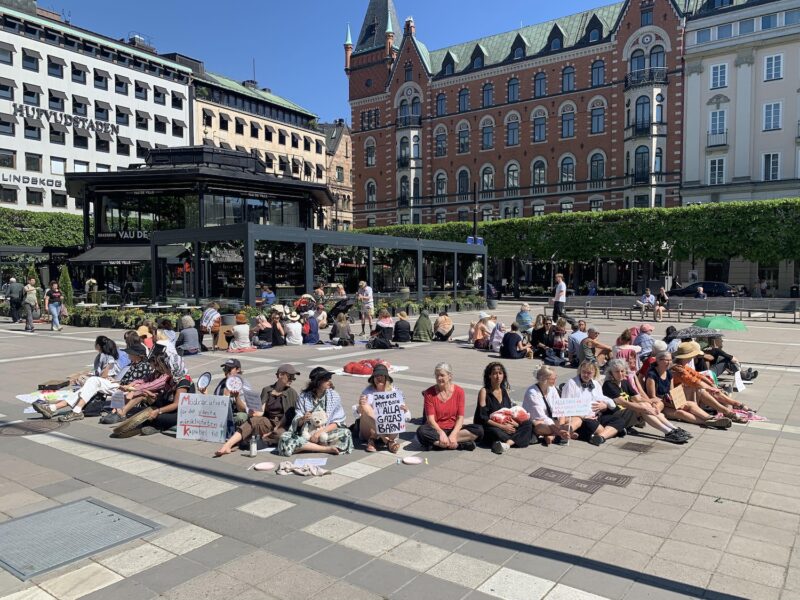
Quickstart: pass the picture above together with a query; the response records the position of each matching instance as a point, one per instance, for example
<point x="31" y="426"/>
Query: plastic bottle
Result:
<point x="253" y="447"/>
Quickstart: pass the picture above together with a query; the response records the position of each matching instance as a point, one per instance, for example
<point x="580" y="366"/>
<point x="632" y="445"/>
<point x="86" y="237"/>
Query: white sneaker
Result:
<point x="500" y="447"/>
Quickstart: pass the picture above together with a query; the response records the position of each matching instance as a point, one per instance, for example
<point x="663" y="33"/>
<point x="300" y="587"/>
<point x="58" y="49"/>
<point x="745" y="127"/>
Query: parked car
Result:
<point x="711" y="288"/>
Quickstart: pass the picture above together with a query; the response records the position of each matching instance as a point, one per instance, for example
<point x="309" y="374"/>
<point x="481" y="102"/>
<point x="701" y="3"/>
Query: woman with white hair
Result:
<point x="538" y="402"/>
<point x="605" y="420"/>
<point x="444" y="425"/>
<point x="188" y="340"/>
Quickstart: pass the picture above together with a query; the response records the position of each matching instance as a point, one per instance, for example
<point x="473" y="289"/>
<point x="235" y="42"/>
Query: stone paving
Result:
<point x="716" y="518"/>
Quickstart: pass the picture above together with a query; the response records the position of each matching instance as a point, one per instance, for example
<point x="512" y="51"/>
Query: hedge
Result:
<point x="27" y="228"/>
<point x="763" y="231"/>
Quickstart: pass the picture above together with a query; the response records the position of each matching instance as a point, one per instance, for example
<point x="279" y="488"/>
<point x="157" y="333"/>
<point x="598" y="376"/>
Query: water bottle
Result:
<point x="253" y="446"/>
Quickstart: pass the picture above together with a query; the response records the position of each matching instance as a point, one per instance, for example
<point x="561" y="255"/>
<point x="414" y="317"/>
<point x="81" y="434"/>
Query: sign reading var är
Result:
<point x="203" y="418"/>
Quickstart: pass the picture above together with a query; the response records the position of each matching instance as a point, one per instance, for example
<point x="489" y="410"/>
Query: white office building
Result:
<point x="73" y="100"/>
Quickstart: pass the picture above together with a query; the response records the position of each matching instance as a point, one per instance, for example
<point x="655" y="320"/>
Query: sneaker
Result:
<point x="717" y="423"/>
<point x="468" y="446"/>
<point x="559" y="441"/>
<point x="148" y="430"/>
<point x="70" y="416"/>
<point x="753" y="374"/>
<point x="684" y="432"/>
<point x="675" y="437"/>
<point x="111" y="419"/>
<point x="597" y="440"/>
<point x="43" y="409"/>
<point x="500" y="447"/>
<point x="631" y="431"/>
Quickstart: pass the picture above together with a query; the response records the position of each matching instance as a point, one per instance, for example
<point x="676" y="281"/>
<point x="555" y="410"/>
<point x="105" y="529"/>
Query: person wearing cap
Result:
<point x="318" y="395"/>
<point x="524" y="319"/>
<point x="294" y="330"/>
<point x="278" y="403"/>
<point x="493" y="396"/>
<point x="379" y="381"/>
<point x="593" y="350"/>
<point x="644" y="340"/>
<point x="310" y="328"/>
<point x="423" y="329"/>
<point x="321" y="316"/>
<point x="444" y="426"/>
<point x="230" y="368"/>
<point x="367" y="306"/>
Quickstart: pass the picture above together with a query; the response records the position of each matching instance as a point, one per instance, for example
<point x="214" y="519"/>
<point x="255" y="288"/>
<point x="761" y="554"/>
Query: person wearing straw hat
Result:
<point x="146" y="336"/>
<point x="294" y="330"/>
<point x="333" y="437"/>
<point x="379" y="381"/>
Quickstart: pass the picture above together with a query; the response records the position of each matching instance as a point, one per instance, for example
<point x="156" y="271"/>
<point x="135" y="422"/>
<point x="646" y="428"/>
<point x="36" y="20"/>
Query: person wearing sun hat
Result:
<point x="379" y="381"/>
<point x="333" y="437"/>
<point x="146" y="336"/>
<point x="294" y="330"/>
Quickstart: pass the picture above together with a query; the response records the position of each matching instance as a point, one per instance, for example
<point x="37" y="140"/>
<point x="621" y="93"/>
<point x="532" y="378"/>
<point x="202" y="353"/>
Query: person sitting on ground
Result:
<point x="700" y="293"/>
<point x="650" y="361"/>
<point x="167" y="330"/>
<point x="480" y="338"/>
<point x="444" y="426"/>
<point x="340" y="332"/>
<point x="310" y="328"/>
<point x="646" y="302"/>
<point x="493" y="396"/>
<point x="240" y="335"/>
<point x="131" y="338"/>
<point x="578" y="334"/>
<point x="142" y="391"/>
<point x="660" y="385"/>
<point x="644" y="340"/>
<point x="423" y="329"/>
<point x="321" y="316"/>
<point x="557" y="338"/>
<point x="443" y="328"/>
<point x="538" y="402"/>
<point x="541" y="329"/>
<point x="402" y="329"/>
<point x="662" y="301"/>
<point x="607" y="420"/>
<point x="496" y="337"/>
<point x="188" y="341"/>
<point x="594" y="350"/>
<point x="524" y="318"/>
<point x="636" y="407"/>
<point x="720" y="361"/>
<point x="261" y="333"/>
<point x="513" y="346"/>
<point x="147" y="336"/>
<point x="278" y="331"/>
<point x="671" y="339"/>
<point x="278" y="403"/>
<point x="379" y="381"/>
<point x="294" y="330"/>
<point x="233" y="368"/>
<point x="381" y="336"/>
<point x="333" y="437"/>
<point x="103" y="380"/>
<point x="626" y="350"/>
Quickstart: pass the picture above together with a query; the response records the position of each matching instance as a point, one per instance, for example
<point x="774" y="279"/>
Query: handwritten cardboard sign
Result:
<point x="389" y="416"/>
<point x="203" y="418"/>
<point x="572" y="407"/>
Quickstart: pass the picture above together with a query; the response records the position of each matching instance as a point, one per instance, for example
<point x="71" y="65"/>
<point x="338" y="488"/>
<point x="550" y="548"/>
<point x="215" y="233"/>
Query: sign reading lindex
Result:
<point x="55" y="116"/>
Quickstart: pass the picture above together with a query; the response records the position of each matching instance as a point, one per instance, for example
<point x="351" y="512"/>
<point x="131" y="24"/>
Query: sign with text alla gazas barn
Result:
<point x="389" y="415"/>
<point x="56" y="116"/>
<point x="203" y="418"/>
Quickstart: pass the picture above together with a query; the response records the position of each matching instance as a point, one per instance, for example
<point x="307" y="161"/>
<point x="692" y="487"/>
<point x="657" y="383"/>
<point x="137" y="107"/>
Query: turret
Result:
<point x="348" y="50"/>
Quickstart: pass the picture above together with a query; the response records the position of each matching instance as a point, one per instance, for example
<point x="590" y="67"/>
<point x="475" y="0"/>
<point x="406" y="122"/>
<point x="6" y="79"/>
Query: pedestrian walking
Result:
<point x="53" y="303"/>
<point x="14" y="299"/>
<point x="30" y="302"/>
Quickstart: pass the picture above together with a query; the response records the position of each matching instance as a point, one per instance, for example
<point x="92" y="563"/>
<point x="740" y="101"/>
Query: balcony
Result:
<point x="403" y="162"/>
<point x="646" y="77"/>
<point x="405" y="121"/>
<point x="640" y="178"/>
<point x="639" y="130"/>
<point x="403" y="202"/>
<point x="716" y="139"/>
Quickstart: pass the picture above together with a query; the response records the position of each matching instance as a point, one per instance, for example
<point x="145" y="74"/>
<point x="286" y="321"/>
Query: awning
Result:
<point x="83" y="132"/>
<point x="31" y="188"/>
<point x="8" y="118"/>
<point x="255" y="124"/>
<point x="8" y="82"/>
<point x="124" y="110"/>
<point x="30" y="87"/>
<point x="207" y="112"/>
<point x="124" y="140"/>
<point x="59" y="127"/>
<point x="297" y="162"/>
<point x="256" y="153"/>
<point x="295" y="137"/>
<point x="31" y="53"/>
<point x="57" y="60"/>
<point x="7" y="47"/>
<point x="208" y="142"/>
<point x="80" y="67"/>
<point x="143" y="144"/>
<point x="31" y="122"/>
<point x="179" y="95"/>
<point x="178" y="122"/>
<point x="225" y="145"/>
<point x="58" y="94"/>
<point x="270" y="155"/>
<point x="143" y="115"/>
<point x="102" y="73"/>
<point x="241" y="149"/>
<point x="161" y="146"/>
<point x="321" y="167"/>
<point x="114" y="255"/>
<point x="101" y="104"/>
<point x="104" y="135"/>
<point x="224" y="116"/>
<point x="308" y="139"/>
<point x="9" y="186"/>
<point x="161" y="119"/>
<point x="123" y="79"/>
<point x="283" y="132"/>
<point x="270" y="128"/>
<point x="81" y="99"/>
<point x="158" y="88"/>
<point x="241" y="121"/>
<point x="143" y="85"/>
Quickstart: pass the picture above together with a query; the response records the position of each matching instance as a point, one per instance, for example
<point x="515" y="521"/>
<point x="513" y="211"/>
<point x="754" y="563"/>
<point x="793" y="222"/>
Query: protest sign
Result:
<point x="203" y="418"/>
<point x="738" y="382"/>
<point x="571" y="407"/>
<point x="389" y="416"/>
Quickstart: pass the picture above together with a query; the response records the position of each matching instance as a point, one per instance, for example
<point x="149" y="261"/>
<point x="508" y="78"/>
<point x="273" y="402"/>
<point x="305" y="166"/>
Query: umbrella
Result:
<point x="697" y="332"/>
<point x="721" y="322"/>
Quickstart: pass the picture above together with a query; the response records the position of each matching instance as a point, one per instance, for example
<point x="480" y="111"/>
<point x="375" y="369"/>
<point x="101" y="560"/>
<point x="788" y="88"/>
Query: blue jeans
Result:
<point x="54" y="308"/>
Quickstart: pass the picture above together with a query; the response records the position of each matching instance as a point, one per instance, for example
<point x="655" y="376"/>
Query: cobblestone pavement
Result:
<point x="715" y="518"/>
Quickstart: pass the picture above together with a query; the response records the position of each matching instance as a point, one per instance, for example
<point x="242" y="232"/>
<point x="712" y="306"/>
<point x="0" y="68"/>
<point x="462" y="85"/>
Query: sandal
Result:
<point x="371" y="446"/>
<point x="393" y="446"/>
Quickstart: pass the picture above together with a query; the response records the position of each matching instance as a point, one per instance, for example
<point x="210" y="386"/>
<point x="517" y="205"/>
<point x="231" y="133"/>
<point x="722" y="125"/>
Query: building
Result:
<point x="340" y="174"/>
<point x="741" y="127"/>
<point x="579" y="113"/>
<point x="74" y="100"/>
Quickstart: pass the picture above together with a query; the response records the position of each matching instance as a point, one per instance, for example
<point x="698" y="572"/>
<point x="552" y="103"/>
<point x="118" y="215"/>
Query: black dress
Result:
<point x="522" y="436"/>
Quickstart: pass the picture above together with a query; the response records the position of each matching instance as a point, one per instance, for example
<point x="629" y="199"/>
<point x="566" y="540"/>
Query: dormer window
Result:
<point x="477" y="62"/>
<point x="594" y="35"/>
<point x="448" y="69"/>
<point x="555" y="44"/>
<point x="519" y="52"/>
<point x="448" y="65"/>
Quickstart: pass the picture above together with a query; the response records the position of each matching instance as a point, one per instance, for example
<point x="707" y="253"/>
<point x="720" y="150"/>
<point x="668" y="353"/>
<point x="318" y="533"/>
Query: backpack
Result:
<point x="96" y="406"/>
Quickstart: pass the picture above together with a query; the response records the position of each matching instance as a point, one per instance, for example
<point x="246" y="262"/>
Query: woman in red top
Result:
<point x="444" y="415"/>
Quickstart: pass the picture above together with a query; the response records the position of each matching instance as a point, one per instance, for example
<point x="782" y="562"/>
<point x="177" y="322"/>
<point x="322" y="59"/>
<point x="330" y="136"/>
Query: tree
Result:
<point x="65" y="285"/>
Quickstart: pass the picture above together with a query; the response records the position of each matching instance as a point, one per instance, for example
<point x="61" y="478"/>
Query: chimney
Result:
<point x="267" y="90"/>
<point x="250" y="84"/>
<point x="410" y="28"/>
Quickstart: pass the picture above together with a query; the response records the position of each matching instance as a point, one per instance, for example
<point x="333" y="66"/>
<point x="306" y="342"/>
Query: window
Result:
<point x="159" y="96"/>
<point x="594" y="35"/>
<point x="568" y="79"/>
<point x="239" y="127"/>
<point x="486" y="213"/>
<point x="281" y="137"/>
<point x="80" y="141"/>
<point x="597" y="168"/>
<point x="33" y="132"/>
<point x="441" y="105"/>
<point x="643" y="113"/>
<point x="463" y="184"/>
<point x="463" y="100"/>
<point x="719" y="76"/>
<point x="463" y="138"/>
<point x="7" y="56"/>
<point x="488" y="95"/>
<point x="8" y="159"/>
<point x="657" y="57"/>
<point x="58" y="200"/>
<point x="487" y="135"/>
<point x="519" y="52"/>
<point x="177" y="130"/>
<point x="102" y="145"/>
<point x="746" y="26"/>
<point x="34" y="197"/>
<point x="123" y="149"/>
<point x="55" y="68"/>
<point x="122" y="117"/>
<point x="598" y="120"/>
<point x="30" y="95"/>
<point x="772" y="116"/>
<point x="78" y="75"/>
<point x="769" y="21"/>
<point x="6" y="91"/>
<point x="441" y="142"/>
<point x="139" y="90"/>
<point x="6" y="127"/>
<point x="659" y="117"/>
<point x="773" y="67"/>
<point x="30" y="60"/>
<point x="340" y="174"/>
<point x="792" y="17"/>
<point x="120" y="86"/>
<point x="415" y="152"/>
<point x="555" y="44"/>
<point x="716" y="171"/>
<point x="404" y="147"/>
<point x="539" y="127"/>
<point x="477" y="62"/>
<point x="141" y="120"/>
<point x="57" y="137"/>
<point x="537" y="210"/>
<point x="463" y="214"/>
<point x="540" y="85"/>
<point x="100" y="112"/>
<point x="598" y="73"/>
<point x="371" y="221"/>
<point x="318" y="148"/>
<point x="642" y="165"/>
<point x="55" y="101"/>
<point x="513" y="89"/>
<point x="79" y="108"/>
<point x="567" y="173"/>
<point x="771" y="167"/>
<point x="370" y="154"/>
<point x="449" y="67"/>
<point x="568" y="124"/>
<point x="512" y="179"/>
<point x="596" y="205"/>
<point x="441" y="187"/>
<point x="641" y="201"/>
<point x="409" y="72"/>
<point x="716" y="123"/>
<point x="177" y="101"/>
<point x="703" y="36"/>
<point x="647" y="17"/>
<point x="725" y="31"/>
<point x="637" y="61"/>
<point x="512" y="131"/>
<point x="539" y="173"/>
<point x="33" y="162"/>
<point x="404" y="188"/>
<point x="658" y="164"/>
<point x="372" y="191"/>
<point x="100" y="80"/>
<point x="567" y="206"/>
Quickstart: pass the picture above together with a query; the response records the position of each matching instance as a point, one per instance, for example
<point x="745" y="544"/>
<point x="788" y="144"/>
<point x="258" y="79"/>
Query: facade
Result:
<point x="73" y="101"/>
<point x="338" y="147"/>
<point x="742" y="124"/>
<point x="580" y="113"/>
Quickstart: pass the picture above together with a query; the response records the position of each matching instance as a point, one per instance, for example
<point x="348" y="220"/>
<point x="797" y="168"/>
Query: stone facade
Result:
<point x="339" y="160"/>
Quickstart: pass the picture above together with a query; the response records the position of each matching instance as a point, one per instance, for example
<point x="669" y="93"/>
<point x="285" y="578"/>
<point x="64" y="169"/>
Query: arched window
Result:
<point x="637" y="61"/>
<point x="513" y="89"/>
<point x="512" y="130"/>
<point x="657" y="57"/>
<point x="566" y="174"/>
<point x="404" y="147"/>
<point x="416" y="106"/>
<point x="440" y="218"/>
<point x="539" y="174"/>
<point x="463" y="100"/>
<point x="597" y="169"/>
<point x="598" y="117"/>
<point x="441" y="187"/>
<point x="598" y="73"/>
<point x="512" y="179"/>
<point x="594" y="35"/>
<point x="488" y="95"/>
<point x="403" y="108"/>
<point x="441" y="141"/>
<point x="568" y="79"/>
<point x="441" y="105"/>
<point x="404" y="188"/>
<point x="659" y="118"/>
<point x="568" y="121"/>
<point x="487" y="179"/>
<point x="641" y="172"/>
<point x="519" y="52"/>
<point x="540" y="85"/>
<point x="416" y="188"/>
<point x="540" y="125"/>
<point x="409" y="72"/>
<point x="463" y="137"/>
<point x="372" y="191"/>
<point x="477" y="62"/>
<point x="555" y="44"/>
<point x="369" y="153"/>
<point x="463" y="184"/>
<point x="487" y="134"/>
<point x="643" y="111"/>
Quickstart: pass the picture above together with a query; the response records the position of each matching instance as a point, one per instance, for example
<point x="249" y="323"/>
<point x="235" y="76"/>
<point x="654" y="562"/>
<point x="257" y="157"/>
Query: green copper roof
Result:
<point x="497" y="48"/>
<point x="381" y="18"/>
<point x="235" y="86"/>
<point x="349" y="39"/>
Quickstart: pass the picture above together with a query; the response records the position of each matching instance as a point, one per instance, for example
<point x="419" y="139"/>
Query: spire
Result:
<point x="389" y="19"/>
<point x="349" y="39"/>
<point x="381" y="17"/>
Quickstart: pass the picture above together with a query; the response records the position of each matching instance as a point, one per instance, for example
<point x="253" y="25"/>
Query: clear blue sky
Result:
<point x="297" y="45"/>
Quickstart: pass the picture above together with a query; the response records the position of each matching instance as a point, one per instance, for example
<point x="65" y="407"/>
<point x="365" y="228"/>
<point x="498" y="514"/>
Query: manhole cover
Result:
<point x="611" y="479"/>
<point x="31" y="427"/>
<point x="582" y="485"/>
<point x="550" y="475"/>
<point x="43" y="541"/>
<point x="634" y="447"/>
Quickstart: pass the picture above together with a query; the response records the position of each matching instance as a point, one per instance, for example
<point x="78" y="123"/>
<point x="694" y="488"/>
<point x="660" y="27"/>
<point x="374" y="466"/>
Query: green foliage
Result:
<point x="31" y="273"/>
<point x="25" y="228"/>
<point x="763" y="231"/>
<point x="65" y="285"/>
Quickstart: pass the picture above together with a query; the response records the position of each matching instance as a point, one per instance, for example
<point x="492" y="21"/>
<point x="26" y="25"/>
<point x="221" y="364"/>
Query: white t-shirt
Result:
<point x="241" y="336"/>
<point x="369" y="392"/>
<point x="365" y="295"/>
<point x="294" y="333"/>
<point x="561" y="292"/>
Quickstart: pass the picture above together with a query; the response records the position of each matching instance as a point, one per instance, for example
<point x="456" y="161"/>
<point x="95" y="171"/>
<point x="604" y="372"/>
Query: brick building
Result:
<point x="339" y="166"/>
<point x="579" y="113"/>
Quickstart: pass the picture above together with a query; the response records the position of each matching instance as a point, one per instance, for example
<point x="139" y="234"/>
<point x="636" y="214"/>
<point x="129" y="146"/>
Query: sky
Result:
<point x="297" y="46"/>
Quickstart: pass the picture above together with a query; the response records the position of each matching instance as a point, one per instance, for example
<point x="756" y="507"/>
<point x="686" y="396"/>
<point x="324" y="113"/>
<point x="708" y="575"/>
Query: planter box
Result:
<point x="106" y="322"/>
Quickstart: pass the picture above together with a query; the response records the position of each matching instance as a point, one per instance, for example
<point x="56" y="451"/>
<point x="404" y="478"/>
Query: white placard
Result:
<point x="118" y="399"/>
<point x="572" y="407"/>
<point x="738" y="382"/>
<point x="389" y="416"/>
<point x="203" y="418"/>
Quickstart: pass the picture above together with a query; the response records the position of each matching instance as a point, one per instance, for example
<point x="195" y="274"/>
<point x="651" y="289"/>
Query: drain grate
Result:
<point x="614" y="479"/>
<point x="550" y="475"/>
<point x="634" y="447"/>
<point x="582" y="485"/>
<point x="31" y="427"/>
<point x="55" y="537"/>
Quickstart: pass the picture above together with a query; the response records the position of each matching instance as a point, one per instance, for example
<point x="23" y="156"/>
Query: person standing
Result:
<point x="560" y="298"/>
<point x="14" y="298"/>
<point x="30" y="302"/>
<point x="53" y="300"/>
<point x="365" y="297"/>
